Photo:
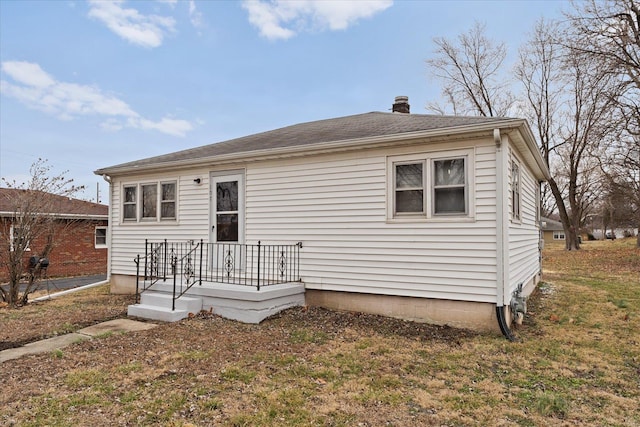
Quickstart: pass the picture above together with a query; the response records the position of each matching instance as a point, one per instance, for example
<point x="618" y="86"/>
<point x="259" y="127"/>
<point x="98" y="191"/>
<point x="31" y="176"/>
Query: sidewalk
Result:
<point x="55" y="343"/>
<point x="55" y="285"/>
<point x="64" y="283"/>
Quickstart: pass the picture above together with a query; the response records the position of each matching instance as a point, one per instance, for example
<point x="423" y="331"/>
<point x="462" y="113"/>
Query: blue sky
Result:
<point x="93" y="84"/>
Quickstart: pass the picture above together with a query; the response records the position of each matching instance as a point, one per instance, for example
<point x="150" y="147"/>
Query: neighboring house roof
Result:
<point x="548" y="224"/>
<point x="60" y="206"/>
<point x="348" y="132"/>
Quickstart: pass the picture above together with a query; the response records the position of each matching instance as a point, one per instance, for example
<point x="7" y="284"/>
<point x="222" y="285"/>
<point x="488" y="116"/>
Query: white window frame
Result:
<point x="95" y="237"/>
<point x="141" y="213"/>
<point x="538" y="202"/>
<point x="134" y="203"/>
<point x="161" y="201"/>
<point x="428" y="158"/>
<point x="12" y="236"/>
<point x="158" y="202"/>
<point x="559" y="235"/>
<point x="516" y="190"/>
<point x="433" y="187"/>
<point x="422" y="188"/>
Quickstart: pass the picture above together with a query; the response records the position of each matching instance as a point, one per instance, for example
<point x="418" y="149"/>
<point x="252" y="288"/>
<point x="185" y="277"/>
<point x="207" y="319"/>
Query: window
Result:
<point x="515" y="190"/>
<point x="430" y="185"/>
<point x="157" y="201"/>
<point x="19" y="239"/>
<point x="409" y="188"/>
<point x="449" y="187"/>
<point x="129" y="205"/>
<point x="149" y="201"/>
<point x="101" y="237"/>
<point x="168" y="200"/>
<point x="538" y="204"/>
<point x="558" y="235"/>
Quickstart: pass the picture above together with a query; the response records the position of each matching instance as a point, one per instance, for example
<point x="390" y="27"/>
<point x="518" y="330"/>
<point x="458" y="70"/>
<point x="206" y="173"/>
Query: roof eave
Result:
<point x="322" y="147"/>
<point x="96" y="217"/>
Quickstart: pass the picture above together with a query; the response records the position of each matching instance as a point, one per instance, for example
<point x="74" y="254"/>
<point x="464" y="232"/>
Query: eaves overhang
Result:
<point x="10" y="214"/>
<point x="405" y="138"/>
<point x="526" y="142"/>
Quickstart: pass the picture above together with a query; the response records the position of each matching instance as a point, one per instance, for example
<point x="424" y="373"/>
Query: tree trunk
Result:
<point x="570" y="232"/>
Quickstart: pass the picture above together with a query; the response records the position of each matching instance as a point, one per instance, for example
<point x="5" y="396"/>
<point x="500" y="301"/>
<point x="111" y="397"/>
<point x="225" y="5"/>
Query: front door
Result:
<point x="227" y="204"/>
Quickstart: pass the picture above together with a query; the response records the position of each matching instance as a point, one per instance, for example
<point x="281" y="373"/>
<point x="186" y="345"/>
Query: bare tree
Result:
<point x="608" y="32"/>
<point x="32" y="229"/>
<point x="570" y="100"/>
<point x="470" y="70"/>
<point x="540" y="71"/>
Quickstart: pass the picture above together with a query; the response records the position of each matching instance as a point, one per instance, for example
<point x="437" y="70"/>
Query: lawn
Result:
<point x="577" y="362"/>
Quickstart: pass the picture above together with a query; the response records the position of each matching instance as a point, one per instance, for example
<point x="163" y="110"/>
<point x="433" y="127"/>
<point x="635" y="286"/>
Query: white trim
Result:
<point x="12" y="238"/>
<point x="139" y="219"/>
<point x="238" y="175"/>
<point x="559" y="235"/>
<point x="516" y="204"/>
<point x="104" y="245"/>
<point x="515" y="126"/>
<point x="61" y="216"/>
<point x="428" y="158"/>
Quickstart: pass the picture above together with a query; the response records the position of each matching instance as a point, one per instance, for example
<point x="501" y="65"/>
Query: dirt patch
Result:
<point x="576" y="363"/>
<point x="46" y="319"/>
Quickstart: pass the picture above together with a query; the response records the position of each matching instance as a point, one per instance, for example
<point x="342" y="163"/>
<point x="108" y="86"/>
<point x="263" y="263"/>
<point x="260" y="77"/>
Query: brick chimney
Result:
<point x="401" y="105"/>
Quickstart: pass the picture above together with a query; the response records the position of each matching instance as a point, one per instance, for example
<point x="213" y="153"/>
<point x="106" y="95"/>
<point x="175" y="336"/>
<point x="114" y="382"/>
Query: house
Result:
<point x="83" y="248"/>
<point x="424" y="217"/>
<point x="552" y="230"/>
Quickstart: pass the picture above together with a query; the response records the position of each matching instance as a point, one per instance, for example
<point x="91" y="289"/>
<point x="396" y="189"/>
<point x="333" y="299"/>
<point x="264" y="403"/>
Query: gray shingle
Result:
<point x="322" y="131"/>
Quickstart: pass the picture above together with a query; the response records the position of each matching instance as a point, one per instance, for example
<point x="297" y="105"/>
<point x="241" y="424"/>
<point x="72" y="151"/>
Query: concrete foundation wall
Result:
<point x="123" y="284"/>
<point x="459" y="314"/>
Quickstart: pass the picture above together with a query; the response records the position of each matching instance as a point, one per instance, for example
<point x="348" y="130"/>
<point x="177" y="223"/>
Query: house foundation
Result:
<point x="122" y="284"/>
<point x="460" y="314"/>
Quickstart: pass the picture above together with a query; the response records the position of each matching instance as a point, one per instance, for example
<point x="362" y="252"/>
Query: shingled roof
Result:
<point x="356" y="127"/>
<point x="61" y="206"/>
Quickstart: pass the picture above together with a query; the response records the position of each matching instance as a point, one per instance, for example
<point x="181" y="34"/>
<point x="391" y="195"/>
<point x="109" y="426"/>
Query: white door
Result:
<point x="227" y="208"/>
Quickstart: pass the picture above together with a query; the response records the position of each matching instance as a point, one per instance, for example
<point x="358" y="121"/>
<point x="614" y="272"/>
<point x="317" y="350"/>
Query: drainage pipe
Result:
<point x="70" y="291"/>
<point x="107" y="178"/>
<point x="502" y="242"/>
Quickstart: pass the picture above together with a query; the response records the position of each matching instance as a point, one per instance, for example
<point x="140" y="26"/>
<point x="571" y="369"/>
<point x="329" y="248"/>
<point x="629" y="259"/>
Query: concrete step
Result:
<point x="163" y="300"/>
<point x="153" y="312"/>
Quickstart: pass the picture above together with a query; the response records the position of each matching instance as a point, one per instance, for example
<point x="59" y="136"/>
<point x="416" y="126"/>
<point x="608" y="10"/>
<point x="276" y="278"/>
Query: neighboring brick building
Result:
<point x="80" y="245"/>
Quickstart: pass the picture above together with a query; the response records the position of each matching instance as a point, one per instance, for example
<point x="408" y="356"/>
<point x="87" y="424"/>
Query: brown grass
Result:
<point x="577" y="363"/>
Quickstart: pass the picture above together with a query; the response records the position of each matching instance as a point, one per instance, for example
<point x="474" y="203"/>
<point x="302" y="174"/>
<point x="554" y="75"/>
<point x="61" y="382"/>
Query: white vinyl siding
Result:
<point x="524" y="255"/>
<point x="337" y="206"/>
<point x="128" y="237"/>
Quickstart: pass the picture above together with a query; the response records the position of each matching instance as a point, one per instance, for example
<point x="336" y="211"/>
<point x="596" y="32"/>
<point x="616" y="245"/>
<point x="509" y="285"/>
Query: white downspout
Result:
<point x="502" y="236"/>
<point x="500" y="193"/>
<point x="107" y="178"/>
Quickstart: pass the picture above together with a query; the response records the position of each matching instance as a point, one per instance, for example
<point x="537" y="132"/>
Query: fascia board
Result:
<point x="7" y="214"/>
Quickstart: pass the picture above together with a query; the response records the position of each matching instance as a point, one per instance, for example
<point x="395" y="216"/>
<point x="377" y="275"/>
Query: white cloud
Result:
<point x="171" y="3"/>
<point x="194" y="15"/>
<point x="27" y="73"/>
<point x="275" y="18"/>
<point x="131" y="25"/>
<point x="35" y="88"/>
<point x="167" y="125"/>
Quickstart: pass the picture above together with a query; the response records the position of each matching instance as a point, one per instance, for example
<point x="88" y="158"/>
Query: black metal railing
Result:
<point x="154" y="264"/>
<point x="191" y="262"/>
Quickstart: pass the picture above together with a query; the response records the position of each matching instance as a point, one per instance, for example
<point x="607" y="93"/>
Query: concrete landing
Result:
<point x="55" y="343"/>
